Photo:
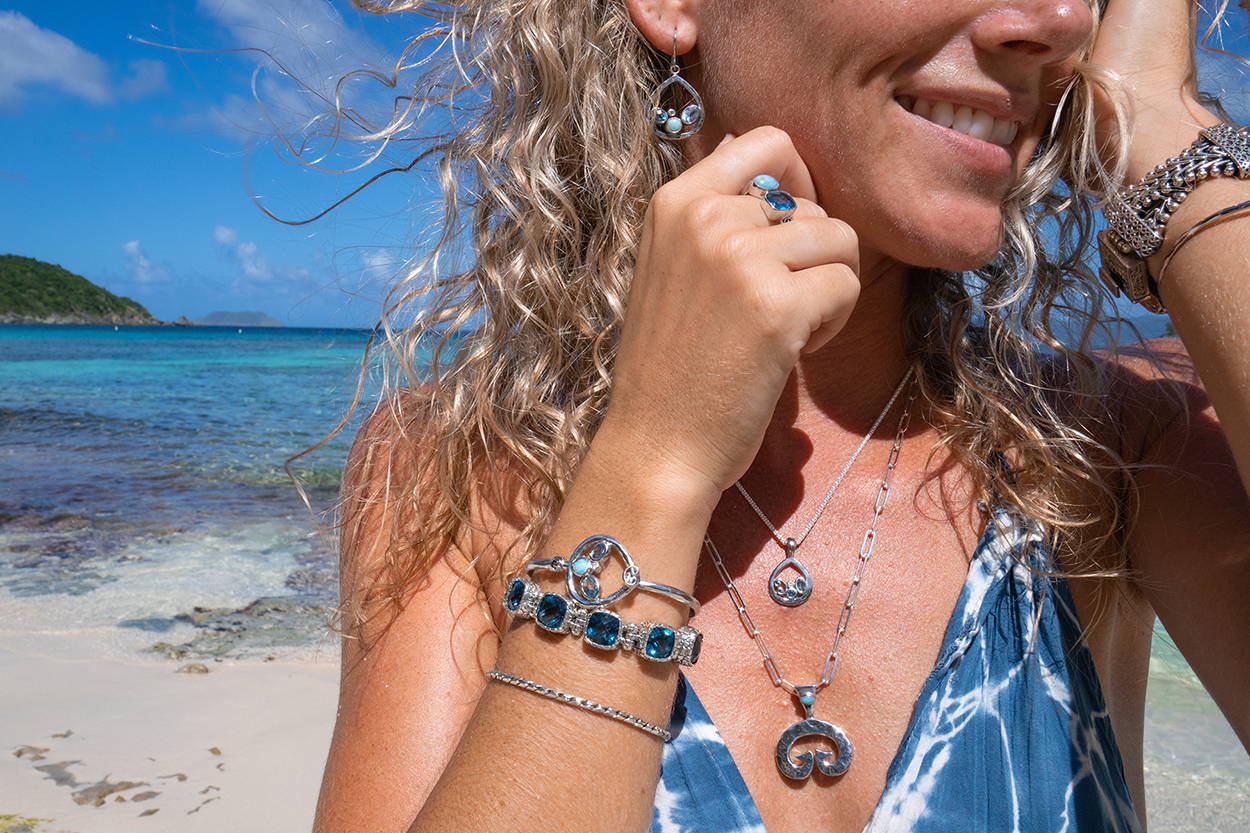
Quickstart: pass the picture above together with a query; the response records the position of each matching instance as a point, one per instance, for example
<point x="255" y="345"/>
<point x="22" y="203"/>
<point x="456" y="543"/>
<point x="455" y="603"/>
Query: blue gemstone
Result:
<point x="696" y="647"/>
<point x="673" y="125"/>
<point x="551" y="610"/>
<point x="780" y="200"/>
<point x="660" y="642"/>
<point x="766" y="182"/>
<point x="660" y="116"/>
<point x="807" y="699"/>
<point x="581" y="565"/>
<point x="603" y="629"/>
<point x="692" y="114"/>
<point x="515" y="591"/>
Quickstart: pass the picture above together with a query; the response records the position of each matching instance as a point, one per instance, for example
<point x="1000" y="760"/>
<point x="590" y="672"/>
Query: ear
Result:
<point x="659" y="20"/>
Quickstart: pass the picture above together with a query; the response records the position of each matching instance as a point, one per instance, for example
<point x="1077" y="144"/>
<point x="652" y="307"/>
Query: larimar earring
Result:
<point x="666" y="122"/>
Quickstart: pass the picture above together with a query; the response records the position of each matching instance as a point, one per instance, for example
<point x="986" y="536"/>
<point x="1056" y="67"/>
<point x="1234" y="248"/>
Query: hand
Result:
<point x="721" y="306"/>
<point x="1150" y="44"/>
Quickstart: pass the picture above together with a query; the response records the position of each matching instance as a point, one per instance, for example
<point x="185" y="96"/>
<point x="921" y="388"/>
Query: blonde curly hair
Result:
<point x="495" y="376"/>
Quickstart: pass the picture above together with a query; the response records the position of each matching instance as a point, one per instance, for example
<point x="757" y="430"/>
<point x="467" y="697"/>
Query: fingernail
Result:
<point x="726" y="138"/>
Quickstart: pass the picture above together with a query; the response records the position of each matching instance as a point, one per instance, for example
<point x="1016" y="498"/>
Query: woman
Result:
<point x="750" y="351"/>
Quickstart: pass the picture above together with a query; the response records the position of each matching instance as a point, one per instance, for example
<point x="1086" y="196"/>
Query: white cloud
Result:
<point x="146" y="76"/>
<point x="140" y="267"/>
<point x="31" y="55"/>
<point x="310" y="45"/>
<point x="379" y="264"/>
<point x="254" y="269"/>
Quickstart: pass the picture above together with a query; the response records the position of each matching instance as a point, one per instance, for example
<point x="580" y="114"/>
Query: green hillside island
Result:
<point x="35" y="292"/>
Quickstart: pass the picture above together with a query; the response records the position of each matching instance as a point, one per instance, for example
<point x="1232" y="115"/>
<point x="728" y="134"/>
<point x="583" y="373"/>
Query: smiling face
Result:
<point x="913" y="116"/>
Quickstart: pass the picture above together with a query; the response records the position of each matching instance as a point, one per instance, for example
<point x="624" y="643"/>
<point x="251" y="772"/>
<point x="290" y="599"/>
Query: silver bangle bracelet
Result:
<point x="1194" y="229"/>
<point x="582" y="567"/>
<point x="602" y="628"/>
<point x="581" y="702"/>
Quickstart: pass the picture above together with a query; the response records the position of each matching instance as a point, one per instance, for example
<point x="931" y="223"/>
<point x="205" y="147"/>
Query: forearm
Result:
<point x="529" y="763"/>
<point x="1207" y="285"/>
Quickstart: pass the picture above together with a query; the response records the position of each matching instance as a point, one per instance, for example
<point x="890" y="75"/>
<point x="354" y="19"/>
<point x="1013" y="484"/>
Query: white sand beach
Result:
<point x="118" y="746"/>
<point x="110" y="746"/>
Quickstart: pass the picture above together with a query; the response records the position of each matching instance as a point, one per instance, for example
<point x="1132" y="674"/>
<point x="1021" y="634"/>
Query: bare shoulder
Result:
<point x="1155" y="395"/>
<point x="417" y="631"/>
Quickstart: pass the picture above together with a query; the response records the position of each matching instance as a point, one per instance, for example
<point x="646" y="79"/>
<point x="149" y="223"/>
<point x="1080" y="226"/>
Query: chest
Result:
<point x="893" y="636"/>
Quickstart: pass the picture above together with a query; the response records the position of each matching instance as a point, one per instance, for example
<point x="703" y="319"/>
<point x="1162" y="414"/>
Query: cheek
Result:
<point x="911" y="213"/>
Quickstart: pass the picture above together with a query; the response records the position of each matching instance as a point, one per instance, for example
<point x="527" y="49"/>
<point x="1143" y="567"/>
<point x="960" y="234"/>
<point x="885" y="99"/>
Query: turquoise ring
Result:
<point x="761" y="185"/>
<point x="778" y="205"/>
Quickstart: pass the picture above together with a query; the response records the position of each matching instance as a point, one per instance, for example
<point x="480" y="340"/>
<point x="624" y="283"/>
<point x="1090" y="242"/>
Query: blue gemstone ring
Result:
<point x="779" y="206"/>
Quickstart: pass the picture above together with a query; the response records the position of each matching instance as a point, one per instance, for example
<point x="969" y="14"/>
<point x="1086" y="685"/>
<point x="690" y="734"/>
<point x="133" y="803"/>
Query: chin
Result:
<point x="958" y="245"/>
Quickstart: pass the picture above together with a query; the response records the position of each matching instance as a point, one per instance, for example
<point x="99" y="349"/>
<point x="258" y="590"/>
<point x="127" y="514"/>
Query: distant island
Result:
<point x="33" y="291"/>
<point x="238" y="319"/>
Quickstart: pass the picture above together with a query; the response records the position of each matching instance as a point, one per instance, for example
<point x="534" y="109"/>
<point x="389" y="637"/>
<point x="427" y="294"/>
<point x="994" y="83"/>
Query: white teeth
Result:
<point x="963" y="120"/>
<point x="967" y="120"/>
<point x="1004" y="132"/>
<point x="982" y="125"/>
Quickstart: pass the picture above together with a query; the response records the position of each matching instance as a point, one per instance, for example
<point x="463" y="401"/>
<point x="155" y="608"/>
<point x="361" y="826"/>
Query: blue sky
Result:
<point x="124" y="162"/>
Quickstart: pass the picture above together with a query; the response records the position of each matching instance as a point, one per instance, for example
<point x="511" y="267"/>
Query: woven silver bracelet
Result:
<point x="581" y="702"/>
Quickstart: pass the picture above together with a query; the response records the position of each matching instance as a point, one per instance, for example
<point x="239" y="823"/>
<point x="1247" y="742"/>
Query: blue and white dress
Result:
<point x="1009" y="733"/>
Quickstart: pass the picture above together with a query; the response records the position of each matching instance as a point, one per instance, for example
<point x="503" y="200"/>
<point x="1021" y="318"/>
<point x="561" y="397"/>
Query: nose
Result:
<point x="1042" y="31"/>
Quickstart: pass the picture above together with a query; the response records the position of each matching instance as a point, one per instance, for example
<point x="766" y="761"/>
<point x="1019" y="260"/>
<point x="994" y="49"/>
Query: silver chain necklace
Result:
<point x="800" y="766"/>
<point x="793" y="592"/>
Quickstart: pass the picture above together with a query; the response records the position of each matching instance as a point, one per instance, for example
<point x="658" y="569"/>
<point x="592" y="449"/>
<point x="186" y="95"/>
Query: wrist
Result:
<point x="650" y="475"/>
<point x="1158" y="133"/>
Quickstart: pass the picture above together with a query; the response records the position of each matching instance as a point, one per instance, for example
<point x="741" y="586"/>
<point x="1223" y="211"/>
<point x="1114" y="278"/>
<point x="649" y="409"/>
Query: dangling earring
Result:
<point x="667" y="124"/>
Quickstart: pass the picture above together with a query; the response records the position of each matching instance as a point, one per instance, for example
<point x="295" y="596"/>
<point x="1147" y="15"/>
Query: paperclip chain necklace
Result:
<point x="800" y="766"/>
<point x="799" y="589"/>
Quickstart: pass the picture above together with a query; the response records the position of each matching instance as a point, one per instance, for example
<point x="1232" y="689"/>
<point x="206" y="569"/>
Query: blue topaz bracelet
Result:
<point x="600" y="628"/>
<point x="582" y="702"/>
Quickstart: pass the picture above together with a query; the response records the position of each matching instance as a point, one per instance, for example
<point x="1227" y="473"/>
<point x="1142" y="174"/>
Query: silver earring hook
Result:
<point x="672" y="66"/>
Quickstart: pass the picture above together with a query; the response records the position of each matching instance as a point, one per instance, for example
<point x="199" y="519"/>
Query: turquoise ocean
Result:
<point x="143" y="478"/>
<point x="144" y="511"/>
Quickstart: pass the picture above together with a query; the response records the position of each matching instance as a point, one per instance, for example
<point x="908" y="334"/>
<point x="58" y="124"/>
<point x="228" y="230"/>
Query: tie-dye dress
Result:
<point x="1009" y="732"/>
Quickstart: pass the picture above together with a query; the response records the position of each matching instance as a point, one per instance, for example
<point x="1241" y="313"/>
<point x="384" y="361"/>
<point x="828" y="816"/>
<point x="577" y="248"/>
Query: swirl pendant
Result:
<point x="800" y="766"/>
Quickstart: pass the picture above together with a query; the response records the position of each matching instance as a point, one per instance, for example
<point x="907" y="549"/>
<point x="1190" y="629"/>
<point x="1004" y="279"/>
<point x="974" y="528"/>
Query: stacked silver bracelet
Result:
<point x="1137" y="216"/>
<point x="584" y="613"/>
<point x="580" y="702"/>
<point x="602" y="629"/>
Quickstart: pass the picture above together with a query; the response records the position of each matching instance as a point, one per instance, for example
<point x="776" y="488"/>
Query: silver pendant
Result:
<point x="800" y="766"/>
<point x="795" y="591"/>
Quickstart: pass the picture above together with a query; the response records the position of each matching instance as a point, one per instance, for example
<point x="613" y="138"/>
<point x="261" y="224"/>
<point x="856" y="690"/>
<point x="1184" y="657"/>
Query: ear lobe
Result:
<point x="660" y="20"/>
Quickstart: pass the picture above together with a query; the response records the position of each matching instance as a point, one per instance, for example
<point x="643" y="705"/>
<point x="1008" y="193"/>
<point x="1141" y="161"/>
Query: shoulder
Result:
<point x="424" y="491"/>
<point x="1151" y="395"/>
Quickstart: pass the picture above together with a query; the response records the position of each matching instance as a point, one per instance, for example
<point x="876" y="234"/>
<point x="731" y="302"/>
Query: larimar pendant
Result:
<point x="795" y="591"/>
<point x="800" y="766"/>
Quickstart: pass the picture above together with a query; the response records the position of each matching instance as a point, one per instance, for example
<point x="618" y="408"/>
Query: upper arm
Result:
<point x="408" y="691"/>
<point x="1190" y="545"/>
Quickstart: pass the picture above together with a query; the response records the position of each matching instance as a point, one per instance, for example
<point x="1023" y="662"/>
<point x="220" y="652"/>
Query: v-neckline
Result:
<point x="994" y="526"/>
